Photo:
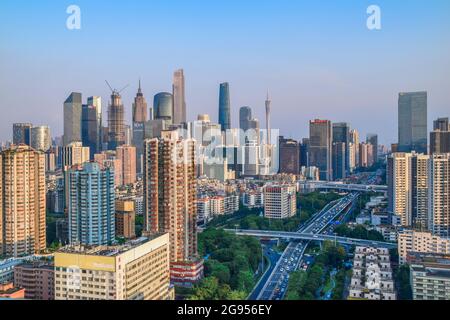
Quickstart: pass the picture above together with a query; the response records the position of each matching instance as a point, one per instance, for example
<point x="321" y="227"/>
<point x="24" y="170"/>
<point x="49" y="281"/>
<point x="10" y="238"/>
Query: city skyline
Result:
<point x="360" y="88"/>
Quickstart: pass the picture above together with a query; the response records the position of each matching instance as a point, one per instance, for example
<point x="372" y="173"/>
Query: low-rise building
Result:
<point x="372" y="275"/>
<point x="137" y="270"/>
<point x="37" y="278"/>
<point x="9" y="291"/>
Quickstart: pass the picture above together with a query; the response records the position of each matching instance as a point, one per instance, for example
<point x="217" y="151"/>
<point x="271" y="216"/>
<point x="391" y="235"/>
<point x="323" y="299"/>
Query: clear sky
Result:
<point x="317" y="58"/>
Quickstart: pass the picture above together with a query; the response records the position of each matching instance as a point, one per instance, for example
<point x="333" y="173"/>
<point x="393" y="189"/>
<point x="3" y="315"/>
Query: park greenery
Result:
<point x="306" y="285"/>
<point x="358" y="232"/>
<point x="402" y="279"/>
<point x="230" y="265"/>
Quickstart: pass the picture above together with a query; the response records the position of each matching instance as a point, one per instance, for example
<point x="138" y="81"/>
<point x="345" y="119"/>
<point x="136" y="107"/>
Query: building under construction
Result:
<point x="116" y="121"/>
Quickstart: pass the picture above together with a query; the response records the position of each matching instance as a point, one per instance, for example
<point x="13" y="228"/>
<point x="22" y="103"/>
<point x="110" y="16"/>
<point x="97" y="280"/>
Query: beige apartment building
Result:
<point x="280" y="201"/>
<point x="410" y="241"/>
<point x="22" y="201"/>
<point x="137" y="270"/>
<point x="127" y="156"/>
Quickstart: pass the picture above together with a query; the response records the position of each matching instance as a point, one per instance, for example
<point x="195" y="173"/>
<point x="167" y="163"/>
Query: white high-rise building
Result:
<point x="280" y="201"/>
<point x="439" y="194"/>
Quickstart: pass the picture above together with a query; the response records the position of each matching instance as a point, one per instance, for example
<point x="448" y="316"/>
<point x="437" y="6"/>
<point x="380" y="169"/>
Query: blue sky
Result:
<point x="317" y="58"/>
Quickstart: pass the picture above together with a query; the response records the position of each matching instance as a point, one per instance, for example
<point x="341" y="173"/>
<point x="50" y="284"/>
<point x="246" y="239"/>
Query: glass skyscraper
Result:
<point x="224" y="106"/>
<point x="163" y="107"/>
<point x="412" y="122"/>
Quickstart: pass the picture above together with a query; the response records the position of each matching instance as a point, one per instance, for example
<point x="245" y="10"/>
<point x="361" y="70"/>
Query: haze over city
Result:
<point x="317" y="60"/>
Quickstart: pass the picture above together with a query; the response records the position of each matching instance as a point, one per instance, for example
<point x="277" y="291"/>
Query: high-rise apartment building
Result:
<point x="136" y="270"/>
<point x="224" y="106"/>
<point x="320" y="148"/>
<point x="372" y="139"/>
<point x="22" y="133"/>
<point x="179" y="99"/>
<point x="22" y="201"/>
<point x="125" y="219"/>
<point x="127" y="156"/>
<point x="40" y="138"/>
<point x="410" y="241"/>
<point x="170" y="201"/>
<point x="280" y="201"/>
<point x="72" y="118"/>
<point x="412" y="122"/>
<point x="91" y="204"/>
<point x="116" y="121"/>
<point x="439" y="194"/>
<point x="74" y="153"/>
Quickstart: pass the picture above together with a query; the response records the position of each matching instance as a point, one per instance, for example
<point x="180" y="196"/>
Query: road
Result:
<point x="276" y="286"/>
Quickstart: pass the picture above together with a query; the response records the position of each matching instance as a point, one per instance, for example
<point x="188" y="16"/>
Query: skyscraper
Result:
<point x="289" y="156"/>
<point x="268" y="109"/>
<point x="339" y="153"/>
<point x="139" y="119"/>
<point x="90" y="129"/>
<point x="91" y="205"/>
<point x="22" y="133"/>
<point x="22" y="201"/>
<point x="97" y="103"/>
<point x="179" y="102"/>
<point x="412" y="122"/>
<point x="139" y="106"/>
<point x="245" y="115"/>
<point x="73" y="154"/>
<point x="372" y="138"/>
<point x="170" y="201"/>
<point x="341" y="135"/>
<point x="72" y="118"/>
<point x="440" y="137"/>
<point x="40" y="138"/>
<point x="116" y="121"/>
<point x="163" y="107"/>
<point x="320" y="144"/>
<point x="224" y="106"/>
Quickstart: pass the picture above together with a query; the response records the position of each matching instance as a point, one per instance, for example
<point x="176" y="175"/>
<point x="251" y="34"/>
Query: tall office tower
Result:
<point x="440" y="137"/>
<point x="224" y="106"/>
<point x="127" y="156"/>
<point x="245" y="115"/>
<point x="289" y="156"/>
<point x="439" y="195"/>
<point x="304" y="152"/>
<point x="339" y="156"/>
<point x="74" y="154"/>
<point x="373" y="140"/>
<point x="97" y="103"/>
<point x="320" y="147"/>
<point x="412" y="122"/>
<point x="268" y="109"/>
<point x="139" y="119"/>
<point x="22" y="201"/>
<point x="22" y="133"/>
<point x="179" y="102"/>
<point x="163" y="107"/>
<point x="408" y="184"/>
<point x="108" y="159"/>
<point x="128" y="134"/>
<point x="89" y="129"/>
<point x="91" y="204"/>
<point x="170" y="201"/>
<point x="441" y="124"/>
<point x="139" y="106"/>
<point x="354" y="138"/>
<point x="251" y="154"/>
<point x="72" y="118"/>
<point x="249" y="125"/>
<point x="116" y="122"/>
<point x="40" y="138"/>
<point x="136" y="270"/>
<point x="341" y="134"/>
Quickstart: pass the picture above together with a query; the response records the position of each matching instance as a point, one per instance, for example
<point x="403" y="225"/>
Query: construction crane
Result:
<point x="114" y="91"/>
